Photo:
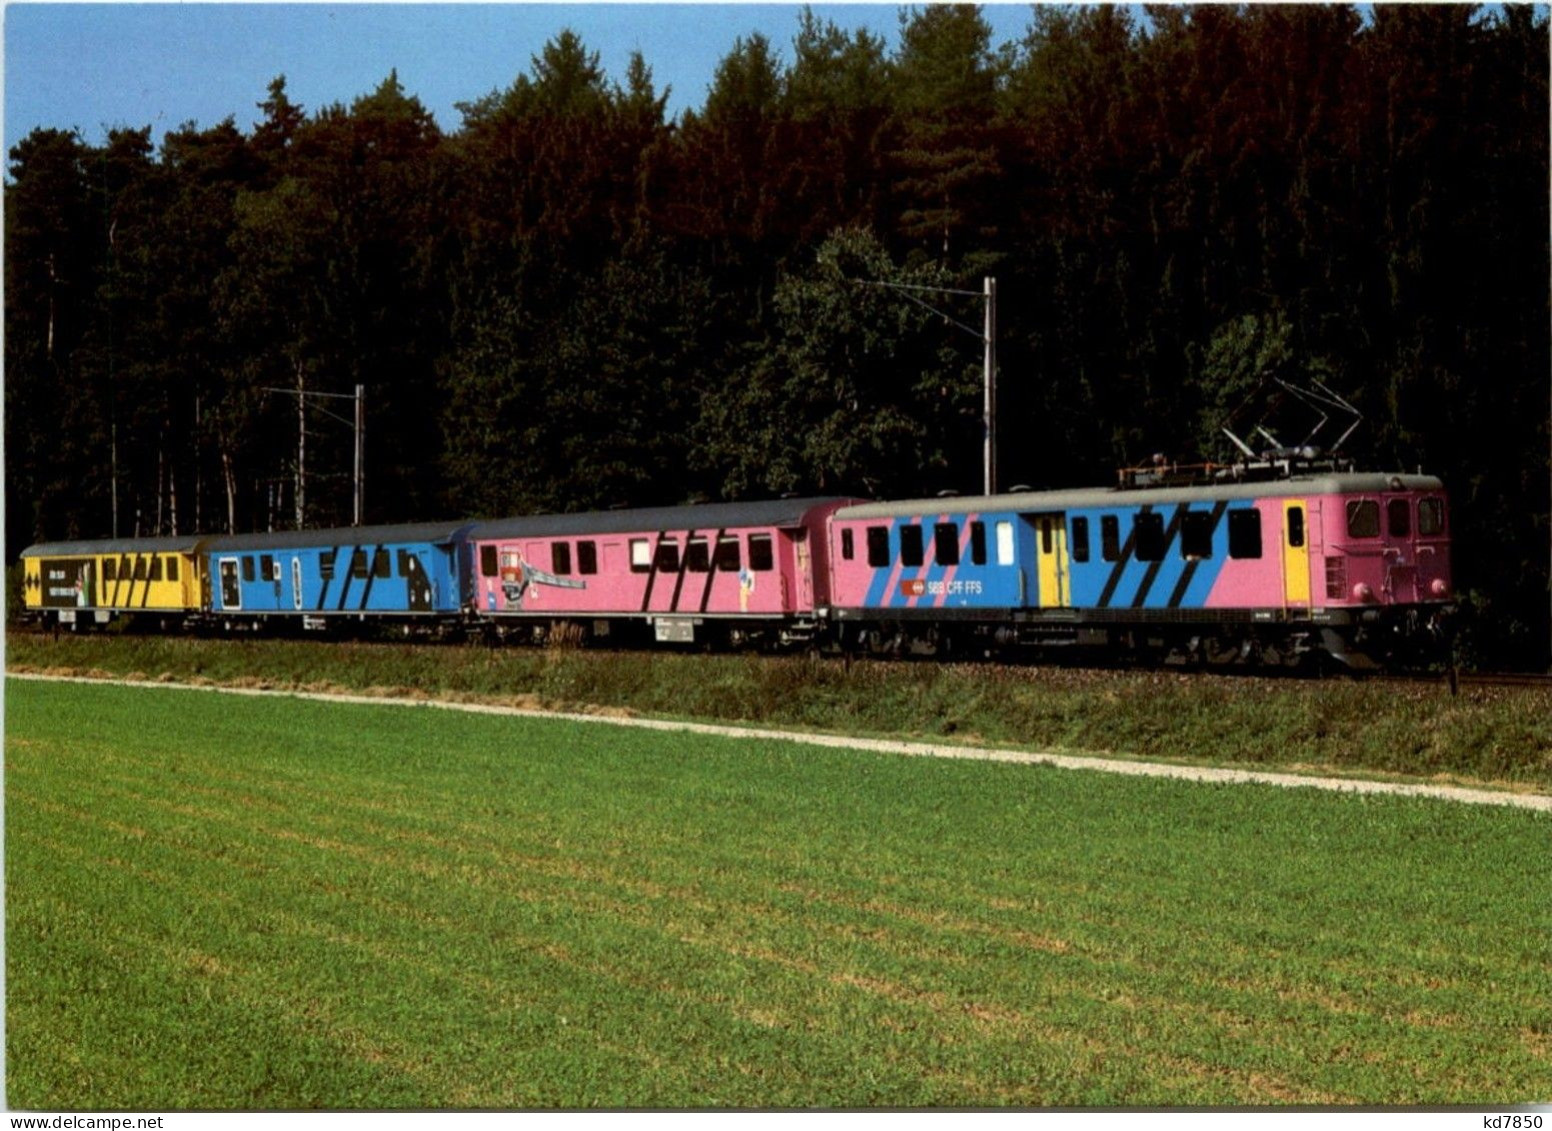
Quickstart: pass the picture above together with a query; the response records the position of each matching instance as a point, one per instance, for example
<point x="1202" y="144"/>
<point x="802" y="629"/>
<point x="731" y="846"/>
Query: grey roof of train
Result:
<point x="1101" y="497"/>
<point x="178" y="544"/>
<point x="431" y="532"/>
<point x="705" y="516"/>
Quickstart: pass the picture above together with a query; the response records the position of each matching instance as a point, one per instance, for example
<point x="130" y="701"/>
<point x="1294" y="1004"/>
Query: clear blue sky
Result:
<point x="94" y="66"/>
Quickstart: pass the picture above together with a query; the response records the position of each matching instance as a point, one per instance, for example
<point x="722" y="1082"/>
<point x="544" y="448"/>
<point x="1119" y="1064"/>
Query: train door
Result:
<point x="231" y="585"/>
<point x="1051" y="574"/>
<point x="416" y="582"/>
<point x="1401" y="551"/>
<point x="1296" y="554"/>
<point x="802" y="569"/>
<point x="1432" y="549"/>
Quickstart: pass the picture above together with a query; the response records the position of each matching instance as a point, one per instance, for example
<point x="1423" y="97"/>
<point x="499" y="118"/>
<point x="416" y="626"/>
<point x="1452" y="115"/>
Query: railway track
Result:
<point x="1457" y="679"/>
<point x="1092" y="666"/>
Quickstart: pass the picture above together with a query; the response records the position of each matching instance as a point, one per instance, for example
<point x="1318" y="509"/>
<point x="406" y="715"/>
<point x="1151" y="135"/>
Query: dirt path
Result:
<point x="1458" y="794"/>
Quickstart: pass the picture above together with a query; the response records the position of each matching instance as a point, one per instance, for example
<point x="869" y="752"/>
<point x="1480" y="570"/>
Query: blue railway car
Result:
<point x="410" y="571"/>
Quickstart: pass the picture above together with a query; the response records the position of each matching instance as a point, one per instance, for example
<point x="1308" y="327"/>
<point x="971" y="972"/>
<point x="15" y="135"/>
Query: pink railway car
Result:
<point x="731" y="573"/>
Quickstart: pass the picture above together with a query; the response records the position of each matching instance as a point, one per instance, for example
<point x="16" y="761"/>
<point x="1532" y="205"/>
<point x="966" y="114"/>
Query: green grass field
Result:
<point x="220" y="902"/>
<point x="1496" y="736"/>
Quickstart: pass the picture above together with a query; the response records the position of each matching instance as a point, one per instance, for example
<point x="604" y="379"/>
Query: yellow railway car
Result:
<point x="92" y="582"/>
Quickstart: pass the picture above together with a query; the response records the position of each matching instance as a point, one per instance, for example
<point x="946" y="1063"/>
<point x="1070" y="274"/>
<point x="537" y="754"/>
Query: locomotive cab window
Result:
<point x="878" y="546"/>
<point x="1245" y="533"/>
<point x="1148" y="536"/>
<point x="761" y="556"/>
<point x="1363" y="518"/>
<point x="1080" y="539"/>
<point x="1196" y="533"/>
<point x="1398" y="518"/>
<point x="848" y="545"/>
<point x="1110" y="537"/>
<point x="1430" y="517"/>
<point x="488" y="567"/>
<point x="560" y="558"/>
<point x="587" y="557"/>
<point x="945" y="543"/>
<point x="912" y="552"/>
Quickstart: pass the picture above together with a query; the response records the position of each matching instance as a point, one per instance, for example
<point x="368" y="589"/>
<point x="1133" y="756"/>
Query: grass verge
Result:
<point x="1492" y="736"/>
<point x="216" y="902"/>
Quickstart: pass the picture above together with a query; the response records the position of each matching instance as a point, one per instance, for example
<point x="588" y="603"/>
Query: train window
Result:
<point x="1398" y="517"/>
<point x="247" y="569"/>
<point x="978" y="543"/>
<point x="1363" y="518"/>
<point x="357" y="563"/>
<point x="560" y="558"/>
<point x="697" y="556"/>
<point x="878" y="546"/>
<point x="380" y="567"/>
<point x="488" y="567"/>
<point x="156" y="568"/>
<point x="1148" y="536"/>
<point x="760" y="556"/>
<point x="1245" y="533"/>
<point x="172" y="568"/>
<point x="266" y="566"/>
<point x="728" y="558"/>
<point x="1110" y="537"/>
<point x="1045" y="536"/>
<point x="1196" y="534"/>
<point x="404" y="563"/>
<point x="1004" y="543"/>
<point x="108" y="570"/>
<point x="1295" y="527"/>
<point x="640" y="555"/>
<point x="912" y="552"/>
<point x="1430" y="516"/>
<point x="326" y="564"/>
<point x="945" y="543"/>
<point x="666" y="559"/>
<point x="1080" y="539"/>
<point x="848" y="545"/>
<point x="587" y="557"/>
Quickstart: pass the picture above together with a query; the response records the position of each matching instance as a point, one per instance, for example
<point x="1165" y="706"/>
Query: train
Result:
<point x="1283" y="568"/>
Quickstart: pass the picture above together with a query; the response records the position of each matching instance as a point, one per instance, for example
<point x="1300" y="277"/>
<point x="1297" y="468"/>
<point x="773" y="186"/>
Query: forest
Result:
<point x="573" y="301"/>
